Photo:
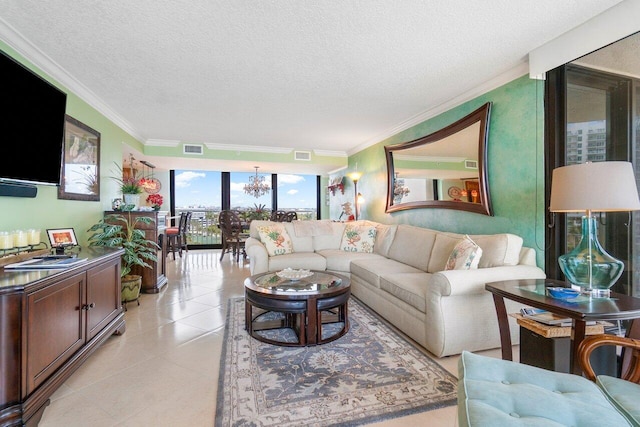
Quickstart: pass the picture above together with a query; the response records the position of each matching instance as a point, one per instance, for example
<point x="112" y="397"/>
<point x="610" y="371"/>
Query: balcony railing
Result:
<point x="203" y="228"/>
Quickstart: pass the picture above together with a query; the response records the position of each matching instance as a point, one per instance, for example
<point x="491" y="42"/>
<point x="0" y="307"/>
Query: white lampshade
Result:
<point x="594" y="186"/>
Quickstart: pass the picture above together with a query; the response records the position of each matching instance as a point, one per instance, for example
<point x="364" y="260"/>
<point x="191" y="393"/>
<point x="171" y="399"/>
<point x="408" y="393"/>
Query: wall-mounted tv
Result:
<point x="32" y="125"/>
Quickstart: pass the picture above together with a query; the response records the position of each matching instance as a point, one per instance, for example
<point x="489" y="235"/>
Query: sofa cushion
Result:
<point x="312" y="227"/>
<point x="464" y="256"/>
<point x="339" y="260"/>
<point x="623" y="395"/>
<point x="253" y="227"/>
<point x="358" y="238"/>
<point x="494" y="393"/>
<point x="370" y="269"/>
<point x="498" y="249"/>
<point x="275" y="239"/>
<point x="329" y="241"/>
<point x="442" y="248"/>
<point x="408" y="287"/>
<point x="384" y="237"/>
<point x="413" y="245"/>
<point x="300" y="243"/>
<point x="304" y="260"/>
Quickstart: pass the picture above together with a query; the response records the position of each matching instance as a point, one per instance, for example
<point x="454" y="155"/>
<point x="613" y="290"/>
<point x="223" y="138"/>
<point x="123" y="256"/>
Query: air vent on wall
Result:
<point x="302" y="155"/>
<point x="192" y="149"/>
<point x="471" y="164"/>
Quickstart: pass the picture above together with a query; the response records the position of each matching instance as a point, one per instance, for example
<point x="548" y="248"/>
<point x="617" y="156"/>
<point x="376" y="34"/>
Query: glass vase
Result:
<point x="588" y="265"/>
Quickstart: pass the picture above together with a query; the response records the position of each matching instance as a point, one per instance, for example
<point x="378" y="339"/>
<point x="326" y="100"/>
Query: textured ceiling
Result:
<point x="328" y="75"/>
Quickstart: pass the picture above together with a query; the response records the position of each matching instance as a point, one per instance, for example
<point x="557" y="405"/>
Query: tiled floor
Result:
<point x="164" y="370"/>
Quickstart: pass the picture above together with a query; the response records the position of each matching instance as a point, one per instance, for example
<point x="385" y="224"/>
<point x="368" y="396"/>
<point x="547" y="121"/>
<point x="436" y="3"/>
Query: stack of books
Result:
<point x="548" y="318"/>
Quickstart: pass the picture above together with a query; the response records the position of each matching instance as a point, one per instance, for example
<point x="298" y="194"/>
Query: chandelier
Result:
<point x="256" y="186"/>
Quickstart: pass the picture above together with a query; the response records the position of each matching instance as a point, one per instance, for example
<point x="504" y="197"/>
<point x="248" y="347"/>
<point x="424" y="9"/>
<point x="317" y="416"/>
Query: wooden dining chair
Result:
<point x="233" y="239"/>
<point x="177" y="236"/>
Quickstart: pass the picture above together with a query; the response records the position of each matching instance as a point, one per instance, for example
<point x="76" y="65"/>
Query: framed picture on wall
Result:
<point x="80" y="178"/>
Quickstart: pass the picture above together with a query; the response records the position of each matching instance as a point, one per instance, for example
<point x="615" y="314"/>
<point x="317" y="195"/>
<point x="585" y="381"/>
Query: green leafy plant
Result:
<point x="121" y="231"/>
<point x="256" y="212"/>
<point x="129" y="185"/>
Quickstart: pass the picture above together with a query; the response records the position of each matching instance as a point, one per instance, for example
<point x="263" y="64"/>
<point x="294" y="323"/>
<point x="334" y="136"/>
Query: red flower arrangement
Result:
<point x="155" y="200"/>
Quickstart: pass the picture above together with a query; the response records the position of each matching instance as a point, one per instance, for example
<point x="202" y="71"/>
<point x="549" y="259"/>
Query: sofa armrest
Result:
<point x="461" y="282"/>
<point x="258" y="256"/>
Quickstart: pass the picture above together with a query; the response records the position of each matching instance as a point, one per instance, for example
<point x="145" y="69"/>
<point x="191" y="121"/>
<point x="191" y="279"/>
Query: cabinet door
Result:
<point x="55" y="327"/>
<point x="103" y="296"/>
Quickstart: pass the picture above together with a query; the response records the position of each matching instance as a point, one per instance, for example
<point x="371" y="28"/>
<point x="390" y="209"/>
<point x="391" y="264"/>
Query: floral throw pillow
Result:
<point x="465" y="255"/>
<point x="275" y="239"/>
<point x="358" y="238"/>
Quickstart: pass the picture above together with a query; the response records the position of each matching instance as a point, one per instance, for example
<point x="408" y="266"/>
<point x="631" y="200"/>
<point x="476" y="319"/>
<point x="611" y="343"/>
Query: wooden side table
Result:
<point x="532" y="292"/>
<point x="549" y="347"/>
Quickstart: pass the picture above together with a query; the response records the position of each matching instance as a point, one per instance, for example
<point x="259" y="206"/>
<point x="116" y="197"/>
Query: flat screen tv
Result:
<point x="32" y="125"/>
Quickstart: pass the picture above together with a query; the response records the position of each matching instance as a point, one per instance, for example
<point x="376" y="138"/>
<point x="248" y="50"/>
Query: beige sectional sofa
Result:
<point x="404" y="278"/>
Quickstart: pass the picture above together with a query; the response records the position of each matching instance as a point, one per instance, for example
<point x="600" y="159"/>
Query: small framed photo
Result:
<point x="62" y="237"/>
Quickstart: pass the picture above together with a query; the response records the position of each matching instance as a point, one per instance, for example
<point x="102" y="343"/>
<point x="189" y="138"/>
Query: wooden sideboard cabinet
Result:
<point x="154" y="278"/>
<point x="51" y="321"/>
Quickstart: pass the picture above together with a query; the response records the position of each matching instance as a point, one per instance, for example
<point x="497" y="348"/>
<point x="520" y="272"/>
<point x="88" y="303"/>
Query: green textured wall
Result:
<point x="515" y="168"/>
<point x="46" y="210"/>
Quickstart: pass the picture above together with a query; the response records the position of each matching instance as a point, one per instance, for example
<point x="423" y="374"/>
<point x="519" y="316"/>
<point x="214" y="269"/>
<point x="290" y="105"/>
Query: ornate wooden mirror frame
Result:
<point x="446" y="169"/>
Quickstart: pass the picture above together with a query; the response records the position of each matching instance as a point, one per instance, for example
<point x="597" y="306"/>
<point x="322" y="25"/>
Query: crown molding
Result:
<point x="334" y="171"/>
<point x="162" y="143"/>
<point x="38" y="58"/>
<point x="330" y="153"/>
<point x="515" y="72"/>
<point x="433" y="159"/>
<point x="248" y="148"/>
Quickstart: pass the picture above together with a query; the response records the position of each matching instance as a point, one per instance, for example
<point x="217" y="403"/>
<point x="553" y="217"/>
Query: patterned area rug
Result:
<point x="368" y="375"/>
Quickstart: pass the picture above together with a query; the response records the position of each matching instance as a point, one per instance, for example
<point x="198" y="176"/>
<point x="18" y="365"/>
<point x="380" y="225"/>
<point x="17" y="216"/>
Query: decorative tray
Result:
<point x="291" y="274"/>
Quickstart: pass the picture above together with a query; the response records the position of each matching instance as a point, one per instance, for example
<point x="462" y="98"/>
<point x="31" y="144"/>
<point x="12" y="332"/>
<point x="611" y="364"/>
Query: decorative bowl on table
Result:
<point x="562" y="293"/>
<point x="291" y="274"/>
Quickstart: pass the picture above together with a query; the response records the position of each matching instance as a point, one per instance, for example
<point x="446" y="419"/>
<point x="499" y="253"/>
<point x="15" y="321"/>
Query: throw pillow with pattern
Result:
<point x="465" y="255"/>
<point x="275" y="239"/>
<point x="358" y="238"/>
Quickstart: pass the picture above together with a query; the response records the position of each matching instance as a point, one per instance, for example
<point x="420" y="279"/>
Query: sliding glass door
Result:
<point x="590" y="121"/>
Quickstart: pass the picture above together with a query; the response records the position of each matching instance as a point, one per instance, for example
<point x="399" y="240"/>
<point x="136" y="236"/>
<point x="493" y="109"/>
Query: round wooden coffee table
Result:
<point x="303" y="305"/>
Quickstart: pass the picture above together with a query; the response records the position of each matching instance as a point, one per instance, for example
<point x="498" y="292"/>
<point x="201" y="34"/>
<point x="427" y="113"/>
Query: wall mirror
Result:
<point x="446" y="169"/>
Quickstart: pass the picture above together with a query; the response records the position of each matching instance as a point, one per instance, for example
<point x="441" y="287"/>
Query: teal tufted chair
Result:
<point x="494" y="392"/>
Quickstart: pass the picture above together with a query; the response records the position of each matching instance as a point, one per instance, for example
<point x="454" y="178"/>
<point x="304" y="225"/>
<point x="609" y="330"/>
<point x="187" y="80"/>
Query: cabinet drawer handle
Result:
<point x="88" y="307"/>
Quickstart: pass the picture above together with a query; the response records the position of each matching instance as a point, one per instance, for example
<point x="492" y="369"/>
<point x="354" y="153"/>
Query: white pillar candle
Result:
<point x="6" y="240"/>
<point x="20" y="239"/>
<point x="34" y="236"/>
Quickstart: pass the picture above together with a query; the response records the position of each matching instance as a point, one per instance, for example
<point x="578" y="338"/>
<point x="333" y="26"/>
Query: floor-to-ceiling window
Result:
<point x="298" y="193"/>
<point x="201" y="193"/>
<point x="206" y="193"/>
<point x="591" y="117"/>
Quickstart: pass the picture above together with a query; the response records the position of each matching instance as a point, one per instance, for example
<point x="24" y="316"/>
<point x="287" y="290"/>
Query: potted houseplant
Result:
<point x="130" y="187"/>
<point x="118" y="230"/>
<point x="155" y="200"/>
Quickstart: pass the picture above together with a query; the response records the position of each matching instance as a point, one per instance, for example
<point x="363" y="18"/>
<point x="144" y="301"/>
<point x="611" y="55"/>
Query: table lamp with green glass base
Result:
<point x="593" y="187"/>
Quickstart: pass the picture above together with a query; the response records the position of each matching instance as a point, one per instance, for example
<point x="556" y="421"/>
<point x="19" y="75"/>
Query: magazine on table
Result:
<point x="548" y="318"/>
<point x="45" y="263"/>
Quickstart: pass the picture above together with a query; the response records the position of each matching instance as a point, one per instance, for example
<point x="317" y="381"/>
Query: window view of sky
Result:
<point x="203" y="189"/>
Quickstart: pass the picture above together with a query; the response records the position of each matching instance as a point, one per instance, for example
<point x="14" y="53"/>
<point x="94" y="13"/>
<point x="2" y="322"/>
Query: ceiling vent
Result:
<point x="471" y="164"/>
<point x="192" y="149"/>
<point x="302" y="155"/>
